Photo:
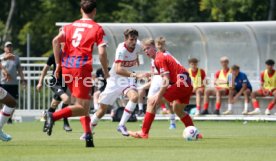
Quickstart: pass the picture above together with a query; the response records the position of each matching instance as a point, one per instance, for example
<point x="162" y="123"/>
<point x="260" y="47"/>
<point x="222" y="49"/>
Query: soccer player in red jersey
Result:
<point x="79" y="38"/>
<point x="176" y="88"/>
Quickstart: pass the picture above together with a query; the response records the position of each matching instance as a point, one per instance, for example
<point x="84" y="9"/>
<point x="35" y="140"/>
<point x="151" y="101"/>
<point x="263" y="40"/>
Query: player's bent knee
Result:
<point x="134" y="98"/>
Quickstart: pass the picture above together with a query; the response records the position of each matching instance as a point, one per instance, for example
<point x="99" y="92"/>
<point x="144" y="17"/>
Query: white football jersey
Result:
<point x="128" y="59"/>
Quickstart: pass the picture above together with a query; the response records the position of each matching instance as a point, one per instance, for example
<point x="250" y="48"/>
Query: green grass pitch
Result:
<point x="223" y="141"/>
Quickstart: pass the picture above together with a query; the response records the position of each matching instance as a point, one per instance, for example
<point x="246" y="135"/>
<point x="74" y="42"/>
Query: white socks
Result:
<point x="5" y="115"/>
<point x="245" y="106"/>
<point x="230" y="107"/>
<point x="130" y="107"/>
<point x="140" y="105"/>
<point x="172" y="118"/>
<point x="94" y="121"/>
<point x="96" y="106"/>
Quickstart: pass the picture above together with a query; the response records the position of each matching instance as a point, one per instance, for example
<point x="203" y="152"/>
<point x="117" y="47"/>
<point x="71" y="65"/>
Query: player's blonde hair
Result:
<point x="160" y="43"/>
<point x="148" y="41"/>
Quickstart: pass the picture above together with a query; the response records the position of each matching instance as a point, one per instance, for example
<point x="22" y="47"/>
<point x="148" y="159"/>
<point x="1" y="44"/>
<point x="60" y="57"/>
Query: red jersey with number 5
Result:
<point x="80" y="37"/>
<point x="166" y="64"/>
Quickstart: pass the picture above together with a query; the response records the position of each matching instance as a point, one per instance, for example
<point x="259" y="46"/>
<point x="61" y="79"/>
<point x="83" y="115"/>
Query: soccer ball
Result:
<point x="190" y="133"/>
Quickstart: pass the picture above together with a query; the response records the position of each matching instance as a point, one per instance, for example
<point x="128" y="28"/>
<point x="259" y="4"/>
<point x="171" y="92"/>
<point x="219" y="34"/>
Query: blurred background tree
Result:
<point x="38" y="17"/>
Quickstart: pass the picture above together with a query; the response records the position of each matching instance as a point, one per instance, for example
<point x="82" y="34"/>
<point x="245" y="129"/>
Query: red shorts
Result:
<point x="79" y="82"/>
<point x="226" y="90"/>
<point x="266" y="92"/>
<point x="180" y="94"/>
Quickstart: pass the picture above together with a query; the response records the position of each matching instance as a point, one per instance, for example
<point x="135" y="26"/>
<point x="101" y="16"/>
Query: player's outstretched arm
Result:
<point x="103" y="60"/>
<point x="121" y="71"/>
<point x="43" y="74"/>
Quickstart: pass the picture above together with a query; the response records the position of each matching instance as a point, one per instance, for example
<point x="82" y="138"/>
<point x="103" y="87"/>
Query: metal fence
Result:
<point x="29" y="97"/>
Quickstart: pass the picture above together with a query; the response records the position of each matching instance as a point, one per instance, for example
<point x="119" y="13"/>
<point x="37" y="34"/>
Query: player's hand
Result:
<point x="9" y="56"/>
<point x="23" y="83"/>
<point x="57" y="72"/>
<point x="143" y="75"/>
<point x="39" y="87"/>
<point x="6" y="75"/>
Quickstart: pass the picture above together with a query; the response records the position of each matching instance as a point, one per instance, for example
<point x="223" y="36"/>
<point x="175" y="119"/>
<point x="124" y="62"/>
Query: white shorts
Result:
<point x="3" y="93"/>
<point x="155" y="85"/>
<point x="115" y="87"/>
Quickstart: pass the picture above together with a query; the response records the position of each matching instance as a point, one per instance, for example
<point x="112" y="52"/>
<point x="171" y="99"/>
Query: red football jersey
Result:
<point x="80" y="37"/>
<point x="166" y="63"/>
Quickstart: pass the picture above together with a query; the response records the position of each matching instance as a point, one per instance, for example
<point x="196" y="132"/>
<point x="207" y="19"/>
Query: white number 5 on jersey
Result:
<point x="77" y="37"/>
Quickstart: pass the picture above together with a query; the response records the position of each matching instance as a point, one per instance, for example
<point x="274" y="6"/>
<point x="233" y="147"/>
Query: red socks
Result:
<point x="198" y="107"/>
<point x="85" y="122"/>
<point x="206" y="105"/>
<point x="256" y="104"/>
<point x="270" y="105"/>
<point x="218" y="106"/>
<point x="64" y="113"/>
<point x="187" y="120"/>
<point x="149" y="117"/>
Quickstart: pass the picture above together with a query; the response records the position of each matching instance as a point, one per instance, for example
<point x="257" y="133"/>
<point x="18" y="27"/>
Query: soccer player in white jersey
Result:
<point x="160" y="44"/>
<point x="122" y="80"/>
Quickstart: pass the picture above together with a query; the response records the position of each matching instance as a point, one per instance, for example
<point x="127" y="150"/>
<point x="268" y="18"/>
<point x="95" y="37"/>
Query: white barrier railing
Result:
<point x="32" y="103"/>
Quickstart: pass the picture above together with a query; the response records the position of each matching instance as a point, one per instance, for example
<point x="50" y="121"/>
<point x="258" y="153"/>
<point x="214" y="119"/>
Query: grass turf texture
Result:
<point x="223" y="141"/>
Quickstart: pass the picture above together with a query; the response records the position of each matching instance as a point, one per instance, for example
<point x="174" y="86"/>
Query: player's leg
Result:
<point x="219" y="94"/>
<point x="208" y="92"/>
<point x="255" y="103"/>
<point x="65" y="102"/>
<point x="246" y="95"/>
<point x="142" y="94"/>
<point x="106" y="98"/>
<point x="7" y="110"/>
<point x="172" y="116"/>
<point x="271" y="103"/>
<point x="129" y="109"/>
<point x="183" y="116"/>
<point x="148" y="119"/>
<point x="229" y="110"/>
<point x="52" y="109"/>
<point x="96" y="96"/>
<point x="199" y="92"/>
<point x="80" y="90"/>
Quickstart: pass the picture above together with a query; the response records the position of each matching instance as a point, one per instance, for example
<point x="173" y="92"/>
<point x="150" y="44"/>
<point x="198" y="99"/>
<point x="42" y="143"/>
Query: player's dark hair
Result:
<point x="193" y="60"/>
<point x="270" y="62"/>
<point x="235" y="67"/>
<point x="130" y="32"/>
<point x="88" y="5"/>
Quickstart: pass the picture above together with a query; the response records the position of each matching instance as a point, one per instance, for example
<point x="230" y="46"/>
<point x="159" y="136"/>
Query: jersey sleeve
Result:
<point x="244" y="79"/>
<point x="18" y="62"/>
<point x="120" y="54"/>
<point x="51" y="60"/>
<point x="203" y="74"/>
<point x="163" y="66"/>
<point x="101" y="37"/>
<point x="262" y="77"/>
